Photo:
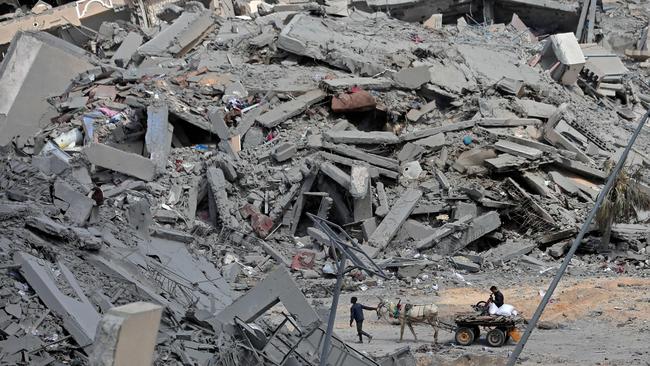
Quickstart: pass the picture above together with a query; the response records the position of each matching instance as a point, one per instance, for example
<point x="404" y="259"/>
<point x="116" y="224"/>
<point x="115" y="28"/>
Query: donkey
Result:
<point x="409" y="315"/>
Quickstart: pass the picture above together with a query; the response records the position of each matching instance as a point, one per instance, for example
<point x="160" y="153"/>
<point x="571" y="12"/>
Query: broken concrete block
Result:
<point x="383" y="207"/>
<point x="158" y="139"/>
<point x="290" y="109"/>
<point x="368" y="227"/>
<point x="410" y="152"/>
<point x="475" y="229"/>
<point x="434" y="22"/>
<point x="127" y="335"/>
<point x="127" y="49"/>
<point x="171" y="234"/>
<point x="215" y="115"/>
<point x="533" y="109"/>
<point x="516" y="149"/>
<point x="435" y="142"/>
<point x="414" y="115"/>
<point x="563" y="48"/>
<point x="511" y="86"/>
<point x="465" y="209"/>
<point x="337" y="175"/>
<point x="413" y="77"/>
<point x="397" y="215"/>
<point x="139" y="216"/>
<point x="508" y="251"/>
<point x="47" y="226"/>
<point x="120" y="161"/>
<point x="218" y="201"/>
<point x="354" y="153"/>
<point x="415" y="230"/>
<point x="558" y="250"/>
<point x="309" y="36"/>
<point x="174" y="40"/>
<point x="80" y="206"/>
<point x="359" y="181"/>
<point x="27" y="80"/>
<point x="473" y="157"/>
<point x="284" y="151"/>
<point x="505" y="162"/>
<point x="536" y="183"/>
<point x="565" y="183"/>
<point x="360" y="191"/>
<point x="361" y="137"/>
<point x="225" y="163"/>
<point x="465" y="264"/>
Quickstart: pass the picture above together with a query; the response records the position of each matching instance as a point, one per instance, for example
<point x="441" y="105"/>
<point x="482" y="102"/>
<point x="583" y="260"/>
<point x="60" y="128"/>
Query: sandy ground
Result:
<point x="605" y="321"/>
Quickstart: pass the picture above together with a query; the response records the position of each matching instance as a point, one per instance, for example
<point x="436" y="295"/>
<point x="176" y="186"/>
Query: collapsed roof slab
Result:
<point x="337" y="42"/>
<point x="28" y="78"/>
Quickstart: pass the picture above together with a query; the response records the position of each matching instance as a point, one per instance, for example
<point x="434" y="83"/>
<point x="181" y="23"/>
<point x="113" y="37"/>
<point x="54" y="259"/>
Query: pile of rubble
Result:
<point x="174" y="162"/>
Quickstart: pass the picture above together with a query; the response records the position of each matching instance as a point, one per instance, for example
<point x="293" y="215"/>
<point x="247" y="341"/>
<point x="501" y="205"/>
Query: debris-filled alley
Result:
<point x="162" y="164"/>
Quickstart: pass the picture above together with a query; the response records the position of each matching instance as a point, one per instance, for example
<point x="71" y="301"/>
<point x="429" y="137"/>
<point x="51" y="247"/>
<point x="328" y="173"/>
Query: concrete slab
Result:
<point x="340" y="84"/>
<point x="27" y="79"/>
<point x="158" y="138"/>
<point x="361" y="137"/>
<point x="536" y="183"/>
<point x="435" y="142"/>
<point x="79" y="316"/>
<point x="353" y="152"/>
<point x="397" y="215"/>
<point x="519" y="150"/>
<point x="284" y="152"/>
<point x="120" y="161"/>
<point x="290" y="109"/>
<point x="337" y="175"/>
<point x="80" y="206"/>
<point x="128" y="48"/>
<point x="564" y="182"/>
<point x="174" y="40"/>
<point x="475" y="229"/>
<point x="413" y="77"/>
<point x="508" y="251"/>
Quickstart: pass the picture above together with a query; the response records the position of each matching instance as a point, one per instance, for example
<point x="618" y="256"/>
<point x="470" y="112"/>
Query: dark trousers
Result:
<point x="360" y="331"/>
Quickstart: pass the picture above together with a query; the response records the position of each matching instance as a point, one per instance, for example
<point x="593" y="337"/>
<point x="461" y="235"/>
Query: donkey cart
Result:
<point x="499" y="328"/>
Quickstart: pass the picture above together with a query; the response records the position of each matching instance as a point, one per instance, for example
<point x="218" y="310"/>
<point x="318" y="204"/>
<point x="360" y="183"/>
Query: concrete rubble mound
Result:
<point x="158" y="162"/>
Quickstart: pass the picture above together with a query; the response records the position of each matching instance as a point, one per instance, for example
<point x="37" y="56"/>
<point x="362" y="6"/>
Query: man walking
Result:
<point x="356" y="315"/>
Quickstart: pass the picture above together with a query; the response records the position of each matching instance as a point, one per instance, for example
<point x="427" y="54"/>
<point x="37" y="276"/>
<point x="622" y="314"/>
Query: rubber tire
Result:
<point x="505" y="331"/>
<point x="477" y="332"/>
<point x="464" y="336"/>
<point x="495" y="338"/>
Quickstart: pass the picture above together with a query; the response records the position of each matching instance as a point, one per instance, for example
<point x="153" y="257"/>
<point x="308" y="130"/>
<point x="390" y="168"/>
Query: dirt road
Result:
<point x="603" y="321"/>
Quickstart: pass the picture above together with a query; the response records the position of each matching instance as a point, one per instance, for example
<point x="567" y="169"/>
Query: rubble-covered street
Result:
<point x="162" y="163"/>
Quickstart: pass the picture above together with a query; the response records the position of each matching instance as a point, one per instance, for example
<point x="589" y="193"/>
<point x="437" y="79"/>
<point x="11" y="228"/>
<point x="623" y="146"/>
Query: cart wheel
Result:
<point x="507" y="338"/>
<point x="464" y="336"/>
<point x="477" y="332"/>
<point x="495" y="338"/>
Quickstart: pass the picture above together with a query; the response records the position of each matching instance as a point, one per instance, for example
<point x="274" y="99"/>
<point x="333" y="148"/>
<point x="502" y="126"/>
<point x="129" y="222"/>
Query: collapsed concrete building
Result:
<point x="171" y="154"/>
